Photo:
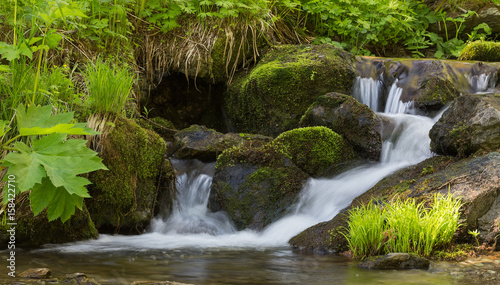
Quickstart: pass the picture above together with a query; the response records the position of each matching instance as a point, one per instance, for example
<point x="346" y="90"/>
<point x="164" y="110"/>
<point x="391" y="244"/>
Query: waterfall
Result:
<point x="367" y="90"/>
<point x="481" y="82"/>
<point x="192" y="225"/>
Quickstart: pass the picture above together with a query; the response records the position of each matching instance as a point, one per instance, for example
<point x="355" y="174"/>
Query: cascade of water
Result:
<point x="190" y="213"/>
<point x="394" y="105"/>
<point x="481" y="83"/>
<point x="366" y="90"/>
<point x="192" y="225"/>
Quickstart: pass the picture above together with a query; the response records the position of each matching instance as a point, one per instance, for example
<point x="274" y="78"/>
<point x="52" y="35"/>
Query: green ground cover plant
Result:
<point x="402" y="226"/>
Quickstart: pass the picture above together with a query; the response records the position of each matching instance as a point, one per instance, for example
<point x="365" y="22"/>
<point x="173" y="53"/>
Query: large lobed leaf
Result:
<point x="52" y="166"/>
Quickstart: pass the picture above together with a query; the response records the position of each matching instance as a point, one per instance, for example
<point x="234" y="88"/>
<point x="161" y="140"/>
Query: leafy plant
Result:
<point x="50" y="166"/>
<point x="475" y="233"/>
<point x="402" y="226"/>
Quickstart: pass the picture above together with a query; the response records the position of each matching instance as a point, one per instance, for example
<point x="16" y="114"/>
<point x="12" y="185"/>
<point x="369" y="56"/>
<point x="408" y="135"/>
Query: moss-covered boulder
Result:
<point x="124" y="198"/>
<point x="470" y="124"/>
<point x="315" y="150"/>
<point x="199" y="142"/>
<point x="474" y="180"/>
<point x="272" y="97"/>
<point x="481" y="50"/>
<point x="255" y="184"/>
<point x="354" y="121"/>
<point x="394" y="261"/>
<point x="34" y="231"/>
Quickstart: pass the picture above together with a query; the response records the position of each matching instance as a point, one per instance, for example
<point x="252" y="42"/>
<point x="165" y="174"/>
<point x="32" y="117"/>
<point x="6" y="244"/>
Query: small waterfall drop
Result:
<point x="190" y="214"/>
<point x="394" y="105"/>
<point x="481" y="82"/>
<point x="367" y="90"/>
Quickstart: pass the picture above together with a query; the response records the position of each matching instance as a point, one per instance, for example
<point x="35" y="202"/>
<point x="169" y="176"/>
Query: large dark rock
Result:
<point x="273" y="96"/>
<point x="354" y="121"/>
<point x="395" y="261"/>
<point x="255" y="184"/>
<point x="199" y="142"/>
<point x="475" y="180"/>
<point x="124" y="198"/>
<point x="471" y="124"/>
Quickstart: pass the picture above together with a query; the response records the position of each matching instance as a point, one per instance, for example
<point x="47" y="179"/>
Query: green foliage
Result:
<point x="51" y="165"/>
<point x="108" y="88"/>
<point x="403" y="226"/>
<point x="481" y="50"/>
<point x="475" y="233"/>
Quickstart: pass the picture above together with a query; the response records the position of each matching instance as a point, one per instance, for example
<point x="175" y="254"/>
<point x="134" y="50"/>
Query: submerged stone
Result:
<point x="36" y="273"/>
<point x="395" y="261"/>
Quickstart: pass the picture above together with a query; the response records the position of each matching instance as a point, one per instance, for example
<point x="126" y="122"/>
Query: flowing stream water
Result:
<point x="194" y="245"/>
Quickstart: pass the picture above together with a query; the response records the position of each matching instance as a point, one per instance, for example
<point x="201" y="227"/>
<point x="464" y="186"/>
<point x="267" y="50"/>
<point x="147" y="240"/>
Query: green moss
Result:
<point x="313" y="149"/>
<point x="276" y="93"/>
<point x="481" y="50"/>
<point x="124" y="196"/>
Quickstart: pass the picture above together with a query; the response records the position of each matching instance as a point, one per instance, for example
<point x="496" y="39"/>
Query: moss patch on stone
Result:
<point x="274" y="95"/>
<point x="124" y="196"/>
<point x="313" y="149"/>
<point x="481" y="50"/>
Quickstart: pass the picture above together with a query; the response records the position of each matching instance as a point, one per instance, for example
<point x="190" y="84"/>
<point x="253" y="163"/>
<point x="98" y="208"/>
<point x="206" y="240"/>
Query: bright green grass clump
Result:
<point x="403" y="226"/>
<point x="108" y="87"/>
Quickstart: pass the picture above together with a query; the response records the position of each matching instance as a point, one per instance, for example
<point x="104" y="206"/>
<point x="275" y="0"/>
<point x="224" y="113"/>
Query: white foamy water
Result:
<point x="192" y="225"/>
<point x="481" y="83"/>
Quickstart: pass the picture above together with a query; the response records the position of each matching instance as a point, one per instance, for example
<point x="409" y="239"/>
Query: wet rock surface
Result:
<point x="470" y="124"/>
<point x="354" y="121"/>
<point x="395" y="261"/>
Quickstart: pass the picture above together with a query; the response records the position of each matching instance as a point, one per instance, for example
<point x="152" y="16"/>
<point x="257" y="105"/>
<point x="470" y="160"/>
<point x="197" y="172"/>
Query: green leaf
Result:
<point x="53" y="39"/>
<point x="9" y="52"/>
<point x="70" y="129"/>
<point x="63" y="206"/>
<point x="40" y="116"/>
<point x="4" y="128"/>
<point x="4" y="68"/>
<point x="52" y="157"/>
<point x="41" y="195"/>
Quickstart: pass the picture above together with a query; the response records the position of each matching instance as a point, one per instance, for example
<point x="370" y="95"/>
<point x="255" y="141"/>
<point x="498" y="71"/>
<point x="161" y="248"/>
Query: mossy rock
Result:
<point x="274" y="95"/>
<point x="34" y="231"/>
<point x="315" y="150"/>
<point x="354" y="121"/>
<point x="124" y="197"/>
<point x="482" y="51"/>
<point x="255" y="184"/>
<point x="165" y="128"/>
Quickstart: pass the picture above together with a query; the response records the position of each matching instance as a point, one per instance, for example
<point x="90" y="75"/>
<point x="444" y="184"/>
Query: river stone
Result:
<point x="354" y="121"/>
<point x="124" y="197"/>
<point x="395" y="261"/>
<point x="475" y="180"/>
<point x="255" y="185"/>
<point x="199" y="142"/>
<point x="36" y="273"/>
<point x="272" y="97"/>
<point x="470" y="124"/>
